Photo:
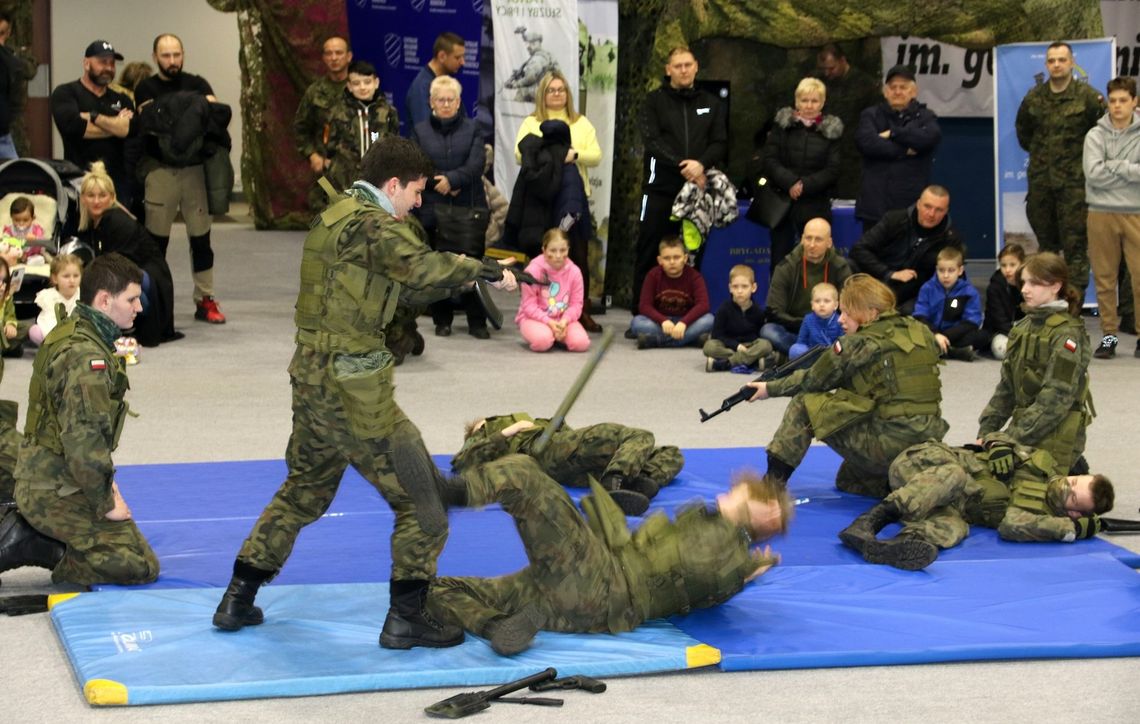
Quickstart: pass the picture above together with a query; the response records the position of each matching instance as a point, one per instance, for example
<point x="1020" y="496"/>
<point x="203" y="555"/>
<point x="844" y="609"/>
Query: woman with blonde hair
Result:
<point x="873" y="394"/>
<point x="106" y="226"/>
<point x="553" y="101"/>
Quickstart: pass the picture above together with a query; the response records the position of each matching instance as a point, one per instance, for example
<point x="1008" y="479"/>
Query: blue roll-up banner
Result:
<point x="1018" y="68"/>
<point x="397" y="37"/>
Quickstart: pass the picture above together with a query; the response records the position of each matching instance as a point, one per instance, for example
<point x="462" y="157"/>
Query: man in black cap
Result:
<point x="897" y="139"/>
<point x="92" y="119"/>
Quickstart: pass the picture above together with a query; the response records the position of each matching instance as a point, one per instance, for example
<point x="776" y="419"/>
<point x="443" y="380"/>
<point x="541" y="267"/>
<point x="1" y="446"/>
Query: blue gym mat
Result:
<point x="823" y="606"/>
<point x="158" y="647"/>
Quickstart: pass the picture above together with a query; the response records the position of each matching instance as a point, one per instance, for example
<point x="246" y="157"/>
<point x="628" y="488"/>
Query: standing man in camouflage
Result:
<point x="625" y="460"/>
<point x="939" y="491"/>
<point x="311" y="117"/>
<point x="1051" y="126"/>
<point x="362" y="257"/>
<point x="591" y="574"/>
<point x="72" y="518"/>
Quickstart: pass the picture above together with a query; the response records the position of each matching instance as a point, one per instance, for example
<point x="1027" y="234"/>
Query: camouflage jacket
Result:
<point x="311" y="117"/>
<point x="75" y="411"/>
<point x="353" y="126"/>
<point x="1052" y="127"/>
<point x="1043" y="376"/>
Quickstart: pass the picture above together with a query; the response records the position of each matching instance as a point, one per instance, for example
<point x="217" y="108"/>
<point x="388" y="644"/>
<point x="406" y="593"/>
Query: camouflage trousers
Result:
<point x="604" y="448"/>
<point x="929" y="485"/>
<point x="9" y="448"/>
<point x="573" y="579"/>
<point x="98" y="550"/>
<point x="320" y="449"/>
<point x="750" y="356"/>
<point x="867" y="445"/>
<point x="1059" y="218"/>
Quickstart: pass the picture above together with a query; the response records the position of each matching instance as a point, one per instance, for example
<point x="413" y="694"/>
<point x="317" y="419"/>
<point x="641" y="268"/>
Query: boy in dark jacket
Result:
<point x="735" y="340"/>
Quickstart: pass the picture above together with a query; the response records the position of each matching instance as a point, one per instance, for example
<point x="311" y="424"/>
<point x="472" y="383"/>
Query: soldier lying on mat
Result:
<point x="938" y="491"/>
<point x="623" y="459"/>
<point x="591" y="574"/>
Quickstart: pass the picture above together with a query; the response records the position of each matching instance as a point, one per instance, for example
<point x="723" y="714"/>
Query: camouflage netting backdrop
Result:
<point x="281" y="45"/>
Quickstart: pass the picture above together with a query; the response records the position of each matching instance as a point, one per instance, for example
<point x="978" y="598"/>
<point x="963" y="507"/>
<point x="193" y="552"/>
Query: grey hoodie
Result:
<point x="1112" y="167"/>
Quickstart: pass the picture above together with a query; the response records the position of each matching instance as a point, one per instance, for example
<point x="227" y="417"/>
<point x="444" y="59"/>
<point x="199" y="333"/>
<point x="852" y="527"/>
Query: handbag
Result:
<point x="769" y="206"/>
<point x="462" y="229"/>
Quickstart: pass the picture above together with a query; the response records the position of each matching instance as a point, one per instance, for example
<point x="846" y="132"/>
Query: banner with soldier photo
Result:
<point x="952" y="81"/>
<point x="532" y="37"/>
<point x="1019" y="67"/>
<point x="597" y="100"/>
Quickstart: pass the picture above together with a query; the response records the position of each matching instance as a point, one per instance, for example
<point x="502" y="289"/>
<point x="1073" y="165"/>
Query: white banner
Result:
<point x="1122" y="19"/>
<point x="532" y="37"/>
<point x="952" y="81"/>
<point x="597" y="100"/>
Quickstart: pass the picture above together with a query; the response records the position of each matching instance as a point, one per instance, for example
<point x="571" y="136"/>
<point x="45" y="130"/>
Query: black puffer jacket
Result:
<point x="795" y="152"/>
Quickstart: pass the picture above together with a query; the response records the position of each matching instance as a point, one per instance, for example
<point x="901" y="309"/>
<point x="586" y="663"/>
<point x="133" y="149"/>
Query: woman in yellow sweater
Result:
<point x="553" y="101"/>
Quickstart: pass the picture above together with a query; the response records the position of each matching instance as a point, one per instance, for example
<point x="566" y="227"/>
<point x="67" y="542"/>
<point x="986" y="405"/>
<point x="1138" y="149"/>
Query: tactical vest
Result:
<point x="1029" y="357"/>
<point x="42" y="424"/>
<point x="341" y="306"/>
<point x="904" y="381"/>
<point x="1040" y="497"/>
<point x="696" y="561"/>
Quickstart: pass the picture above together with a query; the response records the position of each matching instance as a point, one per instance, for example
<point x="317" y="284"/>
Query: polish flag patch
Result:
<point x="1071" y="345"/>
<point x="98" y="365"/>
<point x="837" y="348"/>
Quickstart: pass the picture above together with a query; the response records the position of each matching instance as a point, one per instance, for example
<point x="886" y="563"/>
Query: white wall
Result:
<point x="209" y="38"/>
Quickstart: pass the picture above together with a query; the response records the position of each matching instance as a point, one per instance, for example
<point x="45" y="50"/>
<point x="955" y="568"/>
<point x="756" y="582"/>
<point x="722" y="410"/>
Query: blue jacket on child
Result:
<point x="815" y="331"/>
<point x="942" y="309"/>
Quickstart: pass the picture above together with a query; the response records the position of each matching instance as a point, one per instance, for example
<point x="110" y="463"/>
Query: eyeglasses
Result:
<point x="446" y="101"/>
<point x="556" y="91"/>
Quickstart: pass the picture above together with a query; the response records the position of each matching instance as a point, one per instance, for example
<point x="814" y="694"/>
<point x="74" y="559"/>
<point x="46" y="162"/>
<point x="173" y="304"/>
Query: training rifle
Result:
<point x="568" y="401"/>
<point x="470" y="702"/>
<point x="745" y="393"/>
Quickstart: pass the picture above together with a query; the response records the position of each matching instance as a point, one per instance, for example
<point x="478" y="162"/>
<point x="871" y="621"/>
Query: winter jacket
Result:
<point x="536" y="190"/>
<point x="677" y="124"/>
<point x="789" y="292"/>
<point x="892" y="179"/>
<point x="942" y="309"/>
<point x="1003" y="305"/>
<point x="456" y="149"/>
<point x="898" y="242"/>
<point x="797" y="152"/>
<point x="714" y="205"/>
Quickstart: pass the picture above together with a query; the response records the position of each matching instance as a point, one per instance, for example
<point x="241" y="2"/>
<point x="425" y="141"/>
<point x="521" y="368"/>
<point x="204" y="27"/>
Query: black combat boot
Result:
<point x="907" y="551"/>
<point x="630" y="501"/>
<point x="410" y="624"/>
<point x="863" y="529"/>
<point x="513" y="634"/>
<point x="431" y="492"/>
<point x="236" y="608"/>
<point x="23" y="545"/>
<point x="778" y="469"/>
<point x="643" y="484"/>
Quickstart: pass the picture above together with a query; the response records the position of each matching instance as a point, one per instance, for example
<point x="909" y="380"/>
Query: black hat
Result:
<point x="904" y="70"/>
<point x="100" y="48"/>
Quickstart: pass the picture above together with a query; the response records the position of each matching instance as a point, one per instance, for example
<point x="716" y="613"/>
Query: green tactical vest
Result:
<point x="42" y="424"/>
<point x="341" y="306"/>
<point x="696" y="561"/>
<point x="1042" y="498"/>
<point x="498" y="423"/>
<point x="1029" y="357"/>
<point x="905" y="380"/>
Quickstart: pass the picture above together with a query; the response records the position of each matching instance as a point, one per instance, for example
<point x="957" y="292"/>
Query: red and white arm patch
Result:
<point x="97" y="365"/>
<point x="1071" y="345"/>
<point x="837" y="348"/>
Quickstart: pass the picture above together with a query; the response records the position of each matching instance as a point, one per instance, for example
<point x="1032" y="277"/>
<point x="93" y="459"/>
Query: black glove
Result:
<point x="492" y="270"/>
<point x="1001" y="461"/>
<point x="1087" y="527"/>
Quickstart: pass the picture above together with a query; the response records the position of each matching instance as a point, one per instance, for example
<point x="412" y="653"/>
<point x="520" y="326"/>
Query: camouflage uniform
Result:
<point x="357" y="263"/>
<point x="1052" y="127"/>
<point x="573" y="455"/>
<point x="591" y="575"/>
<point x="940" y="491"/>
<point x="310" y="125"/>
<point x="874" y="395"/>
<point x="76" y="411"/>
<point x="1043" y="391"/>
<point x="353" y="126"/>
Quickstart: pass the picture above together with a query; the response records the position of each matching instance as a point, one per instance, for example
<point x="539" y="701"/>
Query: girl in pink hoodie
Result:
<point x="549" y="314"/>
